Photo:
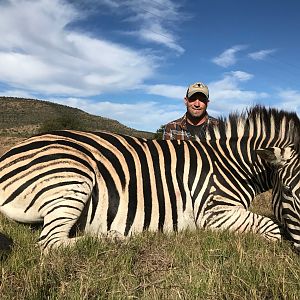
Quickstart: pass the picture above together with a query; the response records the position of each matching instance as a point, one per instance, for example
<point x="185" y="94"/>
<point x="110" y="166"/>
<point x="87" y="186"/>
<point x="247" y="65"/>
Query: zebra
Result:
<point x="110" y="185"/>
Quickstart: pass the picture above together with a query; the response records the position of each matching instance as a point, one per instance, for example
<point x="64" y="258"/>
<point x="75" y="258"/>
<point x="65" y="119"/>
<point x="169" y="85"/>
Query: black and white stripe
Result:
<point x="109" y="184"/>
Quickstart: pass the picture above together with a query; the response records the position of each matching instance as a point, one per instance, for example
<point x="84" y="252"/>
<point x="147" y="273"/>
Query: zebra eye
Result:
<point x="287" y="189"/>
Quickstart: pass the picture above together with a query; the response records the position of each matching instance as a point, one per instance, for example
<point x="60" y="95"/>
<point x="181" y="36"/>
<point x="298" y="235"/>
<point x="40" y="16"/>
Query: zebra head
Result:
<point x="285" y="163"/>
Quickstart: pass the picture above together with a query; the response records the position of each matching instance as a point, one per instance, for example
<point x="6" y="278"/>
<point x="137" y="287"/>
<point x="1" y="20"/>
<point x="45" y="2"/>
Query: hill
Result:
<point x="21" y="117"/>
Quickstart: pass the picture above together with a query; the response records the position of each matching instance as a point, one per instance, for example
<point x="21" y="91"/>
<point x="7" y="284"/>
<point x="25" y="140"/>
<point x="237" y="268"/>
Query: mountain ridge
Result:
<point x="25" y="117"/>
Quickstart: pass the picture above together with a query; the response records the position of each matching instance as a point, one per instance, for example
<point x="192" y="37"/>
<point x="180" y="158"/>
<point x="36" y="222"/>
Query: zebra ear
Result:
<point x="275" y="156"/>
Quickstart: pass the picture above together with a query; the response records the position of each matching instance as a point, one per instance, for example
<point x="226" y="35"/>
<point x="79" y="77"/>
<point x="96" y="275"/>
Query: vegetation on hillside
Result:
<point x="26" y="117"/>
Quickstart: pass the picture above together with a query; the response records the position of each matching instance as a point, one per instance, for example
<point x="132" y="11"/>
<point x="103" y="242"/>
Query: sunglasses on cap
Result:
<point x="198" y="96"/>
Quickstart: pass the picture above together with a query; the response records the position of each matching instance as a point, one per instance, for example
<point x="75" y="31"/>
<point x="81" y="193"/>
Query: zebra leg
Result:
<point x="238" y="219"/>
<point x="56" y="230"/>
<point x="61" y="215"/>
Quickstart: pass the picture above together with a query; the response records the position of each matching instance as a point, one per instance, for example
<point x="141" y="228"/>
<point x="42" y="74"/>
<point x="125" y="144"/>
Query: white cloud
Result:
<point x="241" y="75"/>
<point x="228" y="57"/>
<point x="230" y="81"/>
<point x="38" y="53"/>
<point x="155" y="20"/>
<point x="143" y="115"/>
<point x="227" y="94"/>
<point x="161" y="37"/>
<point x="170" y="91"/>
<point x="262" y="54"/>
<point x="111" y="3"/>
<point x="289" y="100"/>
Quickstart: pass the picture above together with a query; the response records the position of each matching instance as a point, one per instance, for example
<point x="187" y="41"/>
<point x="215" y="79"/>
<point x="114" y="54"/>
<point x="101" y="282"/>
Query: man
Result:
<point x="196" y="119"/>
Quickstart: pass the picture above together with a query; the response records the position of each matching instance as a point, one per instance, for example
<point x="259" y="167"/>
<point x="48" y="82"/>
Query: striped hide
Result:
<point x="105" y="184"/>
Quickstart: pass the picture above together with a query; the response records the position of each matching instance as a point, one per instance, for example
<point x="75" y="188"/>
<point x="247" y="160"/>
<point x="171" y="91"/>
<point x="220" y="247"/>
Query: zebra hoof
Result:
<point x="115" y="236"/>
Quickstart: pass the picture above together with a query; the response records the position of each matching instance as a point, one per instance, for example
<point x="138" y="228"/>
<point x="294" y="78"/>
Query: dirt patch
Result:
<point x="6" y="142"/>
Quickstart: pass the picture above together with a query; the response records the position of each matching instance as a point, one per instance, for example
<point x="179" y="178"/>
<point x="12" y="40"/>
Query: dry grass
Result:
<point x="262" y="204"/>
<point x="186" y="265"/>
<point x="6" y="142"/>
<point x="22" y="131"/>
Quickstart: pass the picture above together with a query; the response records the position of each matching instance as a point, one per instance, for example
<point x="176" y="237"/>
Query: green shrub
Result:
<point x="61" y="123"/>
<point x="159" y="133"/>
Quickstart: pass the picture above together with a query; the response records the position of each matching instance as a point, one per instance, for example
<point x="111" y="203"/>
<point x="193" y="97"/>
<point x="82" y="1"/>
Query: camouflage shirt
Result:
<point x="181" y="130"/>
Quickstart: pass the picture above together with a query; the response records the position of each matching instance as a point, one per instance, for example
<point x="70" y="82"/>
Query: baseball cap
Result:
<point x="197" y="87"/>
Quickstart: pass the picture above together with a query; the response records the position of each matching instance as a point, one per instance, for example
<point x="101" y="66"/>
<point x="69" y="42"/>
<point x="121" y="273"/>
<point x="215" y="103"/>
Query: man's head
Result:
<point x="196" y="101"/>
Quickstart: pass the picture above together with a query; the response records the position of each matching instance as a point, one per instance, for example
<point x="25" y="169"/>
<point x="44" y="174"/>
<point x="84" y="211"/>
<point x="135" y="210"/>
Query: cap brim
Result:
<point x="196" y="92"/>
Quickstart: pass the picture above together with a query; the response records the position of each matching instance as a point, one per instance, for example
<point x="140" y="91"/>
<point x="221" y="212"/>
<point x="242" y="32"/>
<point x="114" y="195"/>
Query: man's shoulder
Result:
<point x="213" y="121"/>
<point x="178" y="122"/>
<point x="176" y="130"/>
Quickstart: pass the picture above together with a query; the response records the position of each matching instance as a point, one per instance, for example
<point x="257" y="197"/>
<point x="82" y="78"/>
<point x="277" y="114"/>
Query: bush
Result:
<point x="159" y="133"/>
<point x="61" y="123"/>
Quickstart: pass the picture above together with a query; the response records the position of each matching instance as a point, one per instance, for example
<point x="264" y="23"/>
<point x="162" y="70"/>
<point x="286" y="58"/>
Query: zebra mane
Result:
<point x="259" y="121"/>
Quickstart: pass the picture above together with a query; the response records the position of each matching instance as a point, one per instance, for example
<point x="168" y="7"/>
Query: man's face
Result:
<point x="196" y="105"/>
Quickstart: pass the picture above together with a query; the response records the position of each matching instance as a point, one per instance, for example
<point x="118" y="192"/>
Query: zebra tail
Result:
<point x="6" y="244"/>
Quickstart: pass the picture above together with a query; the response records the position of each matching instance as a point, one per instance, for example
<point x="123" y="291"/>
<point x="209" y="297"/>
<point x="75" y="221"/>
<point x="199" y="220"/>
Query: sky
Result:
<point x="132" y="60"/>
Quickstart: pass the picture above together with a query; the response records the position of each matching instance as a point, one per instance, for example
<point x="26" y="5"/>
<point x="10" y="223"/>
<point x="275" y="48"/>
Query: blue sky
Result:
<point x="132" y="60"/>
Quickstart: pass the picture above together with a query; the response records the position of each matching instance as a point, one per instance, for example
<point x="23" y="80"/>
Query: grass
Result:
<point x="185" y="265"/>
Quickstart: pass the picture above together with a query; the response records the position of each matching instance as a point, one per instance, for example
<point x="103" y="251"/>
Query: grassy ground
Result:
<point x="187" y="265"/>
